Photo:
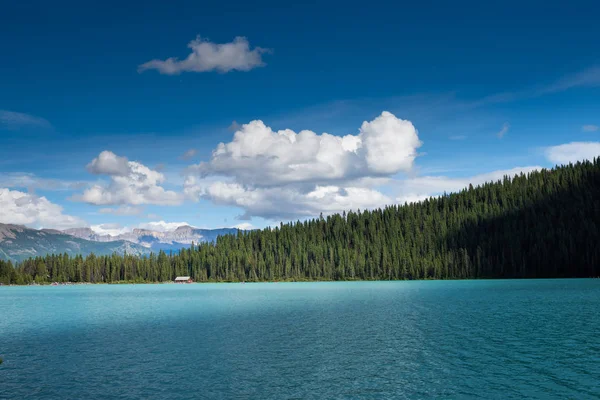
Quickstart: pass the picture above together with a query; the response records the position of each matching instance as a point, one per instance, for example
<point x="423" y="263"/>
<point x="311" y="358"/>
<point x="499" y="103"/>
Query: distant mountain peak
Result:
<point x="174" y="239"/>
<point x="184" y="228"/>
<point x="18" y="242"/>
<point x="79" y="230"/>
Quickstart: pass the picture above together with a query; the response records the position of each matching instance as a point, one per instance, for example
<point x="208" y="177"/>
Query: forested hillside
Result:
<point x="541" y="225"/>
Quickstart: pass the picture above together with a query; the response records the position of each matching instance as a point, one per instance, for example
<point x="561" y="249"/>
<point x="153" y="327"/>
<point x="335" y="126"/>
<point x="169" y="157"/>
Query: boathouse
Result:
<point x="183" y="279"/>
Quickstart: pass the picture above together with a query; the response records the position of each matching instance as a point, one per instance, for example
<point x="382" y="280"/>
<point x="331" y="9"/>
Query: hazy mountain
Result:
<point x="88" y="234"/>
<point x="18" y="242"/>
<point x="175" y="239"/>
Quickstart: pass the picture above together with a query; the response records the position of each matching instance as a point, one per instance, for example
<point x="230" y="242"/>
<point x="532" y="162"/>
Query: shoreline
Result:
<point x="286" y="281"/>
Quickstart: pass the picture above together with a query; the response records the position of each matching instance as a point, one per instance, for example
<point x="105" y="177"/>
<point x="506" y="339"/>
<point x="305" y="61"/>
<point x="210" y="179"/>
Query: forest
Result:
<point x="540" y="225"/>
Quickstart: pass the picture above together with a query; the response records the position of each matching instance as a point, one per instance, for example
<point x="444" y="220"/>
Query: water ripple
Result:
<point x="370" y="340"/>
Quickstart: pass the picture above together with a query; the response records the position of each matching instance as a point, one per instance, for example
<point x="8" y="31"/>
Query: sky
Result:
<point x="246" y="114"/>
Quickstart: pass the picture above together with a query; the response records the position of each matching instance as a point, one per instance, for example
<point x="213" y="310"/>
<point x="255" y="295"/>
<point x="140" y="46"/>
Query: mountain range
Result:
<point x="18" y="242"/>
<point x="176" y="239"/>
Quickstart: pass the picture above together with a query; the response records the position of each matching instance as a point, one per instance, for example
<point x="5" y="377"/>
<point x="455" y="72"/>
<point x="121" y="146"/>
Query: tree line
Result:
<point x="540" y="225"/>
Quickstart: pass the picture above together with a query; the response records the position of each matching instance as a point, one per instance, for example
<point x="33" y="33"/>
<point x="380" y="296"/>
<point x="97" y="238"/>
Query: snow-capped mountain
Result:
<point x="175" y="239"/>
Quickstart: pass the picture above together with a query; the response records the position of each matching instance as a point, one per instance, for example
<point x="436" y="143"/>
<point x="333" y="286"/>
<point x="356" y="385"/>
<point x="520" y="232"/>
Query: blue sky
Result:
<point x="488" y="90"/>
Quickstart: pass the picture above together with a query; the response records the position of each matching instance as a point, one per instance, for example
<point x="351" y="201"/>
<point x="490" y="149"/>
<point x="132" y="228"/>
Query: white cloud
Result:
<point x="12" y="120"/>
<point x="573" y="152"/>
<point x="420" y="188"/>
<point x="390" y="144"/>
<point x="284" y="174"/>
<point x="289" y="202"/>
<point x="503" y="131"/>
<point x="590" y="128"/>
<point x="112" y="229"/>
<point x="130" y="183"/>
<point x="207" y="56"/>
<point x="108" y="163"/>
<point x="245" y="226"/>
<point x="122" y="210"/>
<point x="188" y="154"/>
<point x="259" y="156"/>
<point x="28" y="209"/>
<point x="162" y="226"/>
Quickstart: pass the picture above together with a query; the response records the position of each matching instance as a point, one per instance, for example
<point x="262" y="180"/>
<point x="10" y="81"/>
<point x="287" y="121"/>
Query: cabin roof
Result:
<point x="182" y="278"/>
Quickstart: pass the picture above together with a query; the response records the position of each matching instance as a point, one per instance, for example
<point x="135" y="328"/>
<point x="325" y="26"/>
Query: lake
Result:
<point x="503" y="339"/>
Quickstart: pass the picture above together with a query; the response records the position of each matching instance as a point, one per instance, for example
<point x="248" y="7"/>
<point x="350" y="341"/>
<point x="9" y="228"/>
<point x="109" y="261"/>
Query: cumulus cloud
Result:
<point x="284" y="174"/>
<point x="108" y="163"/>
<point x="503" y="131"/>
<point x="590" y="128"/>
<point x="289" y="201"/>
<point x="573" y="152"/>
<point x="207" y="56"/>
<point x="28" y="209"/>
<point x="12" y="120"/>
<point x="259" y="156"/>
<point x="130" y="183"/>
<point x="188" y="154"/>
<point x="420" y="188"/>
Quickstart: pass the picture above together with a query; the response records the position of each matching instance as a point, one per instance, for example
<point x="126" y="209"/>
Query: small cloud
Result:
<point x="108" y="163"/>
<point x="572" y="152"/>
<point x="458" y="137"/>
<point x="234" y="126"/>
<point x="159" y="167"/>
<point x="503" y="131"/>
<point x="244" y="226"/>
<point x="590" y="128"/>
<point x="188" y="154"/>
<point x="131" y="183"/>
<point x="208" y="56"/>
<point x="112" y="229"/>
<point x="12" y="120"/>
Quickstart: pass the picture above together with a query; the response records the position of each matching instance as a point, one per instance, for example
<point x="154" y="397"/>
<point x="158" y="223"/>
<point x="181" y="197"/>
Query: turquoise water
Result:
<point x="359" y="340"/>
